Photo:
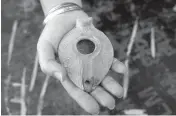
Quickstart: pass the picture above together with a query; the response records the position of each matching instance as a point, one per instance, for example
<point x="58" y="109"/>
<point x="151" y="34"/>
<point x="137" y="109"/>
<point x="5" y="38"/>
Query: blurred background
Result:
<point x="152" y="79"/>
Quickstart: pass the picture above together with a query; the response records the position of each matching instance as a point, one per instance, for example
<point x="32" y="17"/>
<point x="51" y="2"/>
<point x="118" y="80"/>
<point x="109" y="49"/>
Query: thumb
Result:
<point x="47" y="60"/>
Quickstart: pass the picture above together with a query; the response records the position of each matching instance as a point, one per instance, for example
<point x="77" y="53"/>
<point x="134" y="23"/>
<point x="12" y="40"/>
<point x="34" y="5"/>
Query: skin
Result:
<point x="47" y="45"/>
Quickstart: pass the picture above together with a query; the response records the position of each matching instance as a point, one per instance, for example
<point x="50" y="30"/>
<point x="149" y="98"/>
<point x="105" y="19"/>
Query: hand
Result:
<point x="47" y="48"/>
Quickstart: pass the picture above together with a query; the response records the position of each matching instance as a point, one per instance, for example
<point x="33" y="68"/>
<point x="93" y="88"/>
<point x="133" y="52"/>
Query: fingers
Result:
<point x="47" y="60"/>
<point x="112" y="86"/>
<point x="104" y="98"/>
<point x="87" y="102"/>
<point x="118" y="66"/>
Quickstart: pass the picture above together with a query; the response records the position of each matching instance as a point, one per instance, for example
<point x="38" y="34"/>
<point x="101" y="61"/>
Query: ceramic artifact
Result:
<point x="87" y="54"/>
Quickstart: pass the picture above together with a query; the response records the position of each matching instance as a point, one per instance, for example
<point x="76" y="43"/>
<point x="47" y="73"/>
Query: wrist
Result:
<point x="61" y="9"/>
<point x="47" y="5"/>
<point x="68" y="17"/>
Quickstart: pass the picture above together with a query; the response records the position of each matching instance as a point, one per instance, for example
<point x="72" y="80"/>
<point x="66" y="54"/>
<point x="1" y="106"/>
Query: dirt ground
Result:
<point x="152" y="81"/>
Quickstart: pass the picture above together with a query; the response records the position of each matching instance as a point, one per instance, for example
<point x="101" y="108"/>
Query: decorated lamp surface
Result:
<point x="87" y="54"/>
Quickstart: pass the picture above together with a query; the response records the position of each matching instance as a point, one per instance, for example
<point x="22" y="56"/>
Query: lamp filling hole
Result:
<point x="85" y="46"/>
<point x="87" y="82"/>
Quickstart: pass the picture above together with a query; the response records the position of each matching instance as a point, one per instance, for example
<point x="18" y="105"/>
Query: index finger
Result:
<point x="118" y="66"/>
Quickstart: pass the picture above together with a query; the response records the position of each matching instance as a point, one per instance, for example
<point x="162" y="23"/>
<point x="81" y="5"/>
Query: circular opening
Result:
<point x="87" y="82"/>
<point x="85" y="46"/>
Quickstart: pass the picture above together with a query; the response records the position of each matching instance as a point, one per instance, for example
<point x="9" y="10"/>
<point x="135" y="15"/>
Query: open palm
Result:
<point x="47" y="48"/>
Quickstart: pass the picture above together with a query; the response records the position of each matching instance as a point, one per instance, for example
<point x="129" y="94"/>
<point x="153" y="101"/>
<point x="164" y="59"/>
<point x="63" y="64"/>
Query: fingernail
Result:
<point x="111" y="107"/>
<point x="120" y="96"/>
<point x="58" y="75"/>
<point x="96" y="113"/>
<point x="120" y="93"/>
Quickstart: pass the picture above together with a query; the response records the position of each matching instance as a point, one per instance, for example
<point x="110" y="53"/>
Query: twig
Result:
<point x="152" y="41"/>
<point x="174" y="8"/>
<point x="132" y="39"/>
<point x="23" y="92"/>
<point x="15" y="100"/>
<point x="25" y="10"/>
<point x="126" y="79"/>
<point x="6" y="95"/>
<point x="15" y="84"/>
<point x="135" y="112"/>
<point x="11" y="42"/>
<point x="129" y="49"/>
<point x="42" y="94"/>
<point x="34" y="73"/>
